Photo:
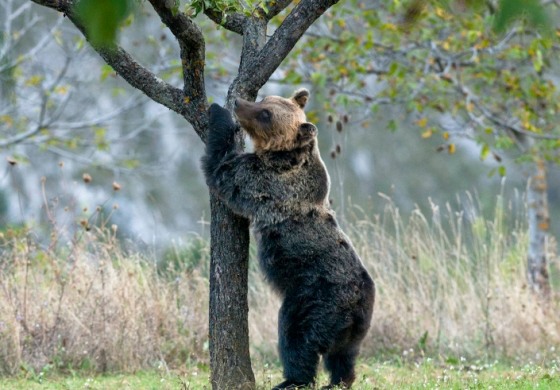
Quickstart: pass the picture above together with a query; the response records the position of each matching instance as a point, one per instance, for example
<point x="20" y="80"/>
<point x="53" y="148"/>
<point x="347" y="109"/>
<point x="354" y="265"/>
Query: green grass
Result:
<point x="146" y="380"/>
<point x="425" y="375"/>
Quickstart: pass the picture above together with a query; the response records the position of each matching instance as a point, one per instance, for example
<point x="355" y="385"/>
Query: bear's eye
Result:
<point x="264" y="116"/>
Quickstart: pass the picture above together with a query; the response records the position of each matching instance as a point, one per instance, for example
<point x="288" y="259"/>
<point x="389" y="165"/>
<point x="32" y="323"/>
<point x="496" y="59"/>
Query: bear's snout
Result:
<point x="244" y="109"/>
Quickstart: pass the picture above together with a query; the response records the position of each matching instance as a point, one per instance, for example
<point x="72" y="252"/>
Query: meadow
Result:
<point x="453" y="310"/>
<point x="373" y="375"/>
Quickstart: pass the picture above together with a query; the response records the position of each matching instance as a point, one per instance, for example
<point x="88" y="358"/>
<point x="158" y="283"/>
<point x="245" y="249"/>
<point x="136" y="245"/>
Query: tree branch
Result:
<point x="234" y="22"/>
<point x="126" y="66"/>
<point x="254" y="39"/>
<point x="518" y="132"/>
<point x="256" y="72"/>
<point x="143" y="79"/>
<point x="192" y="51"/>
<point x="274" y="7"/>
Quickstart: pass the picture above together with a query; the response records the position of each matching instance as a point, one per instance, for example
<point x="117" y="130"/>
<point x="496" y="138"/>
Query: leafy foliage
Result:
<point x="448" y="64"/>
<point x="222" y="6"/>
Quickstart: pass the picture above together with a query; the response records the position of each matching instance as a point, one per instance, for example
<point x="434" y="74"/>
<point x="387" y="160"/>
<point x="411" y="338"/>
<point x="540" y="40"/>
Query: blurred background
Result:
<point x="65" y="114"/>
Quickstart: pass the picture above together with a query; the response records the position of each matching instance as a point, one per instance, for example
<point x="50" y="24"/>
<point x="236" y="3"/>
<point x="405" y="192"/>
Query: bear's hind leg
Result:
<point x="298" y="346"/>
<point x="300" y="361"/>
<point x="341" y="364"/>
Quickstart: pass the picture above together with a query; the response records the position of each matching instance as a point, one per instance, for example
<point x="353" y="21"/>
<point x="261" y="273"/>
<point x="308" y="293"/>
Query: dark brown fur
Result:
<point x="283" y="189"/>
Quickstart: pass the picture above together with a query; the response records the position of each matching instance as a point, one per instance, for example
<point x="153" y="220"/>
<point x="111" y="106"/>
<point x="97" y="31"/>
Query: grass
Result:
<point x="453" y="283"/>
<point x="450" y="283"/>
<point x="372" y="375"/>
<point x="141" y="380"/>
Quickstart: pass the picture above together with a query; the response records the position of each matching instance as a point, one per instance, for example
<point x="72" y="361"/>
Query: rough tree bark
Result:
<point x="539" y="224"/>
<point x="260" y="57"/>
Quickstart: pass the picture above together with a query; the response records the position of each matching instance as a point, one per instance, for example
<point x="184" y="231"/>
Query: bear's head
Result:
<point x="276" y="123"/>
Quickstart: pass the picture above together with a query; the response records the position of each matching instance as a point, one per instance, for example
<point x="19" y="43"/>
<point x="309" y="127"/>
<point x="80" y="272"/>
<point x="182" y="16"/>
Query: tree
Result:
<point x="482" y="70"/>
<point x="47" y="117"/>
<point x="45" y="120"/>
<point x="260" y="56"/>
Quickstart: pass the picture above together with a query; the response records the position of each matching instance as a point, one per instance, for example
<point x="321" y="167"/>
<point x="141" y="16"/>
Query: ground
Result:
<point x="372" y="375"/>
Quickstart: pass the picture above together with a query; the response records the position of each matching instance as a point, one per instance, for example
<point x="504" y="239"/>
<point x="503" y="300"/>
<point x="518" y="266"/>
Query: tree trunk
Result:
<point x="539" y="223"/>
<point x="228" y="322"/>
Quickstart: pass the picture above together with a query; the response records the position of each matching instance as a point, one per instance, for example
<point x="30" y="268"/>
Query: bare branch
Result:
<point x="9" y="43"/>
<point x="126" y="66"/>
<point x="46" y="93"/>
<point x="20" y="137"/>
<point x="100" y="120"/>
<point x="141" y="78"/>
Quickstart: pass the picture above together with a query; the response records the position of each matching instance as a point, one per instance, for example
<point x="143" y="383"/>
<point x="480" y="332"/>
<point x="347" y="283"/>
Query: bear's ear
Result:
<point x="300" y="97"/>
<point x="306" y="133"/>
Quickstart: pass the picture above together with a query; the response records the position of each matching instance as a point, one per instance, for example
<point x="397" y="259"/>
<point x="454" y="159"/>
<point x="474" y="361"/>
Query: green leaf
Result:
<point x="319" y="79"/>
<point x="502" y="171"/>
<point x="512" y="10"/>
<point x="392" y="125"/>
<point x="101" y="19"/>
<point x="484" y="152"/>
<point x="222" y="6"/>
<point x="100" y="135"/>
<point x="106" y="71"/>
<point x="393" y="69"/>
<point x="538" y="60"/>
<point x="504" y="142"/>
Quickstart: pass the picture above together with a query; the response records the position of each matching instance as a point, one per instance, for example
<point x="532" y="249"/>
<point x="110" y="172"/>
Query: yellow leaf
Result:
<point x="441" y="13"/>
<point x="33" y="81"/>
<point x="61" y="89"/>
<point x="445" y="136"/>
<point x="451" y="148"/>
<point x="312" y="116"/>
<point x="427" y="134"/>
<point x="187" y="99"/>
<point x="8" y="120"/>
<point x="389" y="26"/>
<point x="422" y="122"/>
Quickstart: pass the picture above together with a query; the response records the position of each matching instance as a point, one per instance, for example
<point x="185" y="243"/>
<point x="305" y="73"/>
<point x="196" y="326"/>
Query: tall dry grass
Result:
<point x="453" y="283"/>
<point x="91" y="306"/>
<point x="450" y="283"/>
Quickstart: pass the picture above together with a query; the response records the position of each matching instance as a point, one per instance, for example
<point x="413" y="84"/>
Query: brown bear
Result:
<point x="327" y="294"/>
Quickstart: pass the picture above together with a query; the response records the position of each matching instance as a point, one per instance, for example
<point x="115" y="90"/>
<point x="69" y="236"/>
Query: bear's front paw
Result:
<point x="216" y="109"/>
<point x="221" y="125"/>
<point x="219" y="117"/>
